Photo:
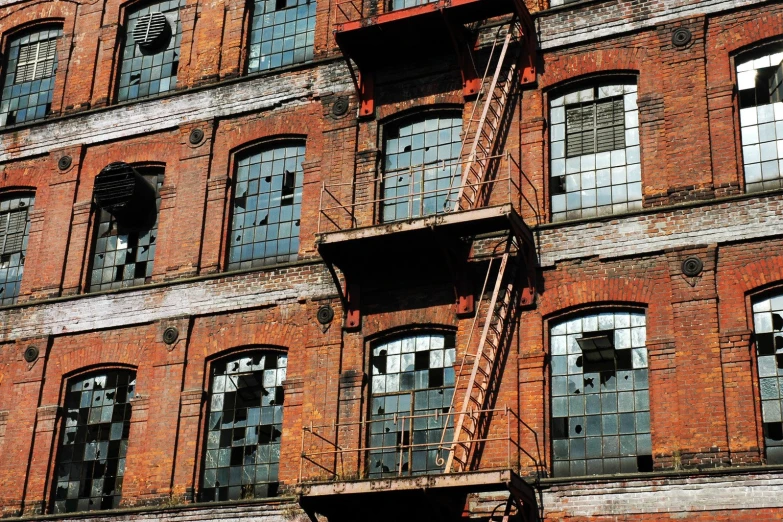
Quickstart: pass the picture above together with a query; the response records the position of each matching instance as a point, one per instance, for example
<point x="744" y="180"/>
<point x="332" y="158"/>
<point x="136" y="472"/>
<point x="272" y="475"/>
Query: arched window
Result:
<point x="14" y="231"/>
<point x="281" y="33"/>
<point x="91" y="458"/>
<point x="244" y="426"/>
<point x="600" y="400"/>
<point x="150" y="55"/>
<point x="124" y="250"/>
<point x="421" y="171"/>
<point x="595" y="161"/>
<point x="768" y="330"/>
<point x="412" y="387"/>
<point x="760" y="84"/>
<point x="28" y="82"/>
<point x="267" y="206"/>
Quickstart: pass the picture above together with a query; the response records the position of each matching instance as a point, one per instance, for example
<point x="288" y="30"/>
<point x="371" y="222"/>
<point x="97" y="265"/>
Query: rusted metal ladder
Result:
<point x="490" y="349"/>
<point x="480" y="137"/>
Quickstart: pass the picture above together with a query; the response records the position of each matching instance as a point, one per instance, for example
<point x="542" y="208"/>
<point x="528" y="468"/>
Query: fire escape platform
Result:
<point x="423" y="28"/>
<point x="424" y="237"/>
<point x="402" y="497"/>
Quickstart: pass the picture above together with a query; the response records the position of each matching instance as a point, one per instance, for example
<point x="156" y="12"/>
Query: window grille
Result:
<point x="124" y="257"/>
<point x="281" y="34"/>
<point x="14" y="232"/>
<point x="91" y="459"/>
<point x="29" y="77"/>
<point x="267" y="207"/>
<point x="595" y="160"/>
<point x="244" y="427"/>
<point x="420" y="166"/>
<point x="149" y="65"/>
<point x="768" y="330"/>
<point x="411" y="376"/>
<point x="600" y="400"/>
<point x="760" y="83"/>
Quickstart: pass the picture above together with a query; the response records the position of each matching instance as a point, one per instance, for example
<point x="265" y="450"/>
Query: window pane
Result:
<point x="768" y="322"/>
<point x="29" y="76"/>
<point x="281" y="33"/>
<point x="606" y="393"/>
<point x="267" y="207"/>
<point x="242" y="457"/>
<point x="91" y="459"/>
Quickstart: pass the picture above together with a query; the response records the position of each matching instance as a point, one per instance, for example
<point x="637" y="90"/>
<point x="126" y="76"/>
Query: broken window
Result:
<point x="14" y="231"/>
<point x="150" y="56"/>
<point x="267" y="206"/>
<point x="411" y="377"/>
<point x="760" y="84"/>
<point x="555" y="3"/>
<point x="600" y="400"/>
<point x="124" y="253"/>
<point x="394" y="5"/>
<point x="594" y="137"/>
<point x="91" y="459"/>
<point x="281" y="34"/>
<point x="28" y="84"/>
<point x="421" y="171"/>
<point x="768" y="330"/>
<point x="244" y="426"/>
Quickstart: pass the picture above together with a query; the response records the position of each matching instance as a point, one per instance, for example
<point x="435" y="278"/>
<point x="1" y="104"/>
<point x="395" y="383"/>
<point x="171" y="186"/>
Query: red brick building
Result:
<point x="369" y="261"/>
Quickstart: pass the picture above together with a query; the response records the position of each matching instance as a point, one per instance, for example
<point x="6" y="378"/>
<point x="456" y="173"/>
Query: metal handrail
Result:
<point x="335" y="453"/>
<point x="331" y="207"/>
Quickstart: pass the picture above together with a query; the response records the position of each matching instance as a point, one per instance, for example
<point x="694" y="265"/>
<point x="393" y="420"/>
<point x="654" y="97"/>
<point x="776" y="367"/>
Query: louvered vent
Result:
<point x="12" y="227"/>
<point x="36" y="61"/>
<point x="152" y="31"/>
<point x="594" y="128"/>
<point x="125" y="194"/>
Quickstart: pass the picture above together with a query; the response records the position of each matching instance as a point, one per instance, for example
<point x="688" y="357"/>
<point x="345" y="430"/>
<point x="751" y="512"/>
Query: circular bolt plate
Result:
<point x="196" y="135"/>
<point x="170" y="335"/>
<point x="692" y="266"/>
<point x="64" y="163"/>
<point x="31" y="354"/>
<point x="681" y="37"/>
<point x="325" y="314"/>
<point x="340" y="106"/>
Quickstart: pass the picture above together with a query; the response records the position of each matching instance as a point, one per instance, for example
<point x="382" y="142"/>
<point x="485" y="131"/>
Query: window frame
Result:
<point x="60" y="427"/>
<point x="556" y="321"/>
<point x="627" y="81"/>
<point x="95" y="227"/>
<point x="228" y="356"/>
<point x="398" y="334"/>
<point x="18" y="193"/>
<point x="250" y="14"/>
<point x="245" y="151"/>
<point x="21" y="32"/>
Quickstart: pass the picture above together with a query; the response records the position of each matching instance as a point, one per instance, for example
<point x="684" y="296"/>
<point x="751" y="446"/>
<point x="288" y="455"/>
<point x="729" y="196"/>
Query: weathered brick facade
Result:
<point x="705" y="407"/>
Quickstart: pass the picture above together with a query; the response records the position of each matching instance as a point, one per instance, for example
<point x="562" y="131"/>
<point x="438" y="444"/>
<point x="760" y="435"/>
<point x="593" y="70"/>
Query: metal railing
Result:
<point x="325" y="459"/>
<point x="354" y="10"/>
<point x="356" y="203"/>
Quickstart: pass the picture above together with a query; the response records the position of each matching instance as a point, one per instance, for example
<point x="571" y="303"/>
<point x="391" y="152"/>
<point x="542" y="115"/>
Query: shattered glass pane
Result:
<point x="768" y="320"/>
<point x="91" y="462"/>
<point x="243" y="435"/>
<point x="418" y="381"/>
<point x="607" y="400"/>
<point x="123" y="258"/>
